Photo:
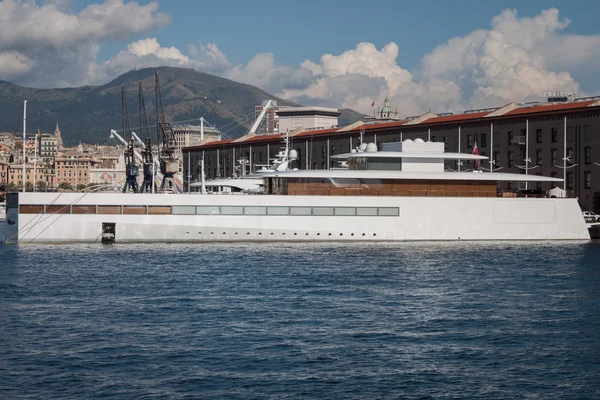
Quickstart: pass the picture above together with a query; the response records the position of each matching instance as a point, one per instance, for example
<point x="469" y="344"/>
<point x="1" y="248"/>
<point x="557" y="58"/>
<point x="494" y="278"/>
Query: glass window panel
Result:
<point x="345" y="211"/>
<point x="258" y="210"/>
<point x="322" y="210"/>
<point x="183" y="210"/>
<point x="232" y="210"/>
<point x="208" y="210"/>
<point x="278" y="210"/>
<point x="300" y="211"/>
<point x="366" y="211"/>
<point x="389" y="211"/>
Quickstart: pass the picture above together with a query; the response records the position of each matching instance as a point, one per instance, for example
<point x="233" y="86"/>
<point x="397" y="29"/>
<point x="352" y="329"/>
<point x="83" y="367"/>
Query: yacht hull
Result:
<point x="332" y="218"/>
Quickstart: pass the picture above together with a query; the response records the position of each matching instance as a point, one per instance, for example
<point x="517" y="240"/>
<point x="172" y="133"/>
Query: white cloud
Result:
<point x="264" y="72"/>
<point x="61" y="47"/>
<point x="209" y="57"/>
<point x="518" y="59"/>
<point x="358" y="77"/>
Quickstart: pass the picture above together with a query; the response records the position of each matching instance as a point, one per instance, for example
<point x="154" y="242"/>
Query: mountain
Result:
<point x="88" y="113"/>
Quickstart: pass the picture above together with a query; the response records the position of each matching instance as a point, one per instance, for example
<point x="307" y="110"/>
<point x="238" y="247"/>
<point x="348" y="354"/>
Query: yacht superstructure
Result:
<point x="400" y="193"/>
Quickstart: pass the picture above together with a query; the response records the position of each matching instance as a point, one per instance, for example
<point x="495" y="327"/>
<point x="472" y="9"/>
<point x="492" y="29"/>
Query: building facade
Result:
<point x="556" y="140"/>
<point x="193" y="135"/>
<point x="3" y="173"/>
<point x="72" y="168"/>
<point x="270" y="122"/>
<point x="292" y="118"/>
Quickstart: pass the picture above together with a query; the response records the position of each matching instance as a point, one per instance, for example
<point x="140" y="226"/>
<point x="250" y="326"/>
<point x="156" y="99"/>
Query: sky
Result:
<point x="443" y="56"/>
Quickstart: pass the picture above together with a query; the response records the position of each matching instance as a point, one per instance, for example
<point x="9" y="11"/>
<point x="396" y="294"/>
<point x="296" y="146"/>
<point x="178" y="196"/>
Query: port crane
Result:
<point x="168" y="164"/>
<point x="147" y="154"/>
<point x="131" y="167"/>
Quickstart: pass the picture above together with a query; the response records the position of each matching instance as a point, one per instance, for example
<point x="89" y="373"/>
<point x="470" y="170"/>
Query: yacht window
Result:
<point x="389" y="211"/>
<point x="232" y="210"/>
<point x="345" y="211"/>
<point x="259" y="210"/>
<point x="207" y="210"/>
<point x="183" y="210"/>
<point x="300" y="211"/>
<point x="366" y="211"/>
<point x="322" y="211"/>
<point x="278" y="210"/>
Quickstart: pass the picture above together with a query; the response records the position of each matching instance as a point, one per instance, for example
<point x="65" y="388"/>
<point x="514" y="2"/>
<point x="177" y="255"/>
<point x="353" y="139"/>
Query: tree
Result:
<point x="42" y="186"/>
<point x="65" y="186"/>
<point x="11" y="187"/>
<point x="81" y="186"/>
<point x="28" y="186"/>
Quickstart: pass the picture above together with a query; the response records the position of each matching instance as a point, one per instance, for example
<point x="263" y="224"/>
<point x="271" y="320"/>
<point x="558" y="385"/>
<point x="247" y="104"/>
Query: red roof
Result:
<point x="392" y="124"/>
<point x="262" y="137"/>
<point x="549" y="107"/>
<point x="317" y="132"/>
<point x="457" y="117"/>
<point x="434" y="120"/>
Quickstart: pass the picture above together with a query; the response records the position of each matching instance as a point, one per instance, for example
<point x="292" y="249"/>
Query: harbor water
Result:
<point x="467" y="320"/>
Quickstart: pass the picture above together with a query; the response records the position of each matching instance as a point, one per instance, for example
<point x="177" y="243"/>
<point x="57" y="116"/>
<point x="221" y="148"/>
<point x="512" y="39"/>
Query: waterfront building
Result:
<point x="58" y="136"/>
<point x="385" y="113"/>
<point x="193" y="135"/>
<point x="270" y="122"/>
<point x="548" y="139"/>
<point x="109" y="170"/>
<point x="15" y="174"/>
<point x="73" y="168"/>
<point x="3" y="173"/>
<point x="48" y="146"/>
<point x="8" y="139"/>
<point x="293" y="118"/>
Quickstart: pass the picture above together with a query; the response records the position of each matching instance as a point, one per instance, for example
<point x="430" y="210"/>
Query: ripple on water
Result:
<point x="410" y="320"/>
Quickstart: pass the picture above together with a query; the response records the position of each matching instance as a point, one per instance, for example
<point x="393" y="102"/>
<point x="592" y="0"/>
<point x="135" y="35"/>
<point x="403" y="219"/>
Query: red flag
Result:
<point x="476" y="152"/>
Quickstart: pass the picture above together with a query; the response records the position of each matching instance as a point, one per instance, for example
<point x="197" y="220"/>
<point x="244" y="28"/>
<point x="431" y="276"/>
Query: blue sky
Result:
<point x="424" y="55"/>
<point x="295" y="31"/>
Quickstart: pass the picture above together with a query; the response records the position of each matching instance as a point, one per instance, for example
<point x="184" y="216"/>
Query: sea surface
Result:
<point x="464" y="320"/>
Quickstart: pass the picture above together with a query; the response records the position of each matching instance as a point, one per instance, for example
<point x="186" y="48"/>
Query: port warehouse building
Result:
<point x="544" y="133"/>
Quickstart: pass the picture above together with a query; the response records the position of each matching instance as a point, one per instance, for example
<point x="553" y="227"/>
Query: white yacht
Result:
<point x="400" y="193"/>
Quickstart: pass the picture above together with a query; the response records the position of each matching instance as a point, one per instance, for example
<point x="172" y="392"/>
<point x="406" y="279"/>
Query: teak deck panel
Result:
<point x="431" y="188"/>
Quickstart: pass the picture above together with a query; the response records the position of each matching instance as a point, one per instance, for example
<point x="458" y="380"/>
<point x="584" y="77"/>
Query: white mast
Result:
<point x="565" y="158"/>
<point x="35" y="162"/>
<point x="492" y="162"/>
<point x="458" y="163"/>
<point x="24" y="140"/>
<point x="201" y="129"/>
<point x="153" y="176"/>
<point x="527" y="159"/>
<point x="202" y="186"/>
<point x="189" y="173"/>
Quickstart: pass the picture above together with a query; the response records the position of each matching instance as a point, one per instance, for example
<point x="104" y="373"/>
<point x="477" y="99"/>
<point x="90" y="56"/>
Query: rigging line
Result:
<point x="40" y="220"/>
<point x="59" y="217"/>
<point x="237" y="124"/>
<point x="38" y="215"/>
